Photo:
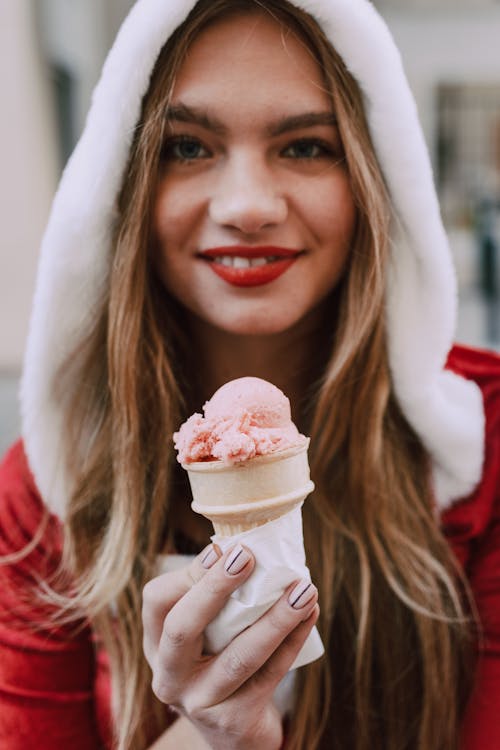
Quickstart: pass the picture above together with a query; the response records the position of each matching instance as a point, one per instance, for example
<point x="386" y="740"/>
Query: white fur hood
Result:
<point x="445" y="410"/>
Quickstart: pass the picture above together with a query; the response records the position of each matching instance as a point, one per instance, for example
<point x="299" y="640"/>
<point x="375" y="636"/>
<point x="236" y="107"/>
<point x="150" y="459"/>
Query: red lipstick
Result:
<point x="250" y="266"/>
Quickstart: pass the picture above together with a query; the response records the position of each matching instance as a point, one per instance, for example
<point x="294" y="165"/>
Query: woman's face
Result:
<point x="253" y="214"/>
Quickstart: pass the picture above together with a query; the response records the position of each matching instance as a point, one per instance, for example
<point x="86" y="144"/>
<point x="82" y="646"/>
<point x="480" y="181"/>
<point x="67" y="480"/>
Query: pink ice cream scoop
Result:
<point x="246" y="461"/>
<point x="245" y="418"/>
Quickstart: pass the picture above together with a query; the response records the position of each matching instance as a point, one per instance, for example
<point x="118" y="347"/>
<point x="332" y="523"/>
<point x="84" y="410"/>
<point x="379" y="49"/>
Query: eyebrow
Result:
<point x="197" y="116"/>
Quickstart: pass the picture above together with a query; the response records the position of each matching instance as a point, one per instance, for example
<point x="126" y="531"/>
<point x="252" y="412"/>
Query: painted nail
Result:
<point x="303" y="592"/>
<point x="237" y="560"/>
<point x="210" y="557"/>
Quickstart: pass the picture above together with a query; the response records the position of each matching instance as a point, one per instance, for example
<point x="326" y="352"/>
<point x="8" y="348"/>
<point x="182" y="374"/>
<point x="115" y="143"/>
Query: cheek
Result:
<point x="330" y="213"/>
<point x="169" y="230"/>
<point x="332" y="221"/>
<point x="176" y="218"/>
<point x="336" y="209"/>
<point x="177" y="210"/>
<point x="168" y="216"/>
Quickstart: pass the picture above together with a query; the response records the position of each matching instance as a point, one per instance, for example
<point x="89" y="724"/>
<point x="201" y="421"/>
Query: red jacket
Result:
<point x="54" y="691"/>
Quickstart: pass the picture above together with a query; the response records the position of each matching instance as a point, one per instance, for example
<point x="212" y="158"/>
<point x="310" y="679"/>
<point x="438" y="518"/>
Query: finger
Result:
<point x="261" y="687"/>
<point x="182" y="634"/>
<point x="258" y="691"/>
<point x="251" y="650"/>
<point x="276" y="667"/>
<point x="161" y="594"/>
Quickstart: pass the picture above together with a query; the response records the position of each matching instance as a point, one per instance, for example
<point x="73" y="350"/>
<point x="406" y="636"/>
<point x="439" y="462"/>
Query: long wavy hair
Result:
<point x="394" y="612"/>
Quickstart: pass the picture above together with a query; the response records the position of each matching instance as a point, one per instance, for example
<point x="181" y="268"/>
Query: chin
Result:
<point x="256" y="325"/>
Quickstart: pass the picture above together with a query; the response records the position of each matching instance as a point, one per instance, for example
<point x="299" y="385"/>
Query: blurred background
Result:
<point x="51" y="52"/>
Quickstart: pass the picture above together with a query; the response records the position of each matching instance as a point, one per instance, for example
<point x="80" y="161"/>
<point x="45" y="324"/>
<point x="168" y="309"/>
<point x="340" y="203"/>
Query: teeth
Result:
<point x="239" y="262"/>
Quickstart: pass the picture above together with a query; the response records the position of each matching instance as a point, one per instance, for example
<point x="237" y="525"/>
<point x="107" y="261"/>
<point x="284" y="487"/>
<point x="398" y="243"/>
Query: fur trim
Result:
<point x="445" y="410"/>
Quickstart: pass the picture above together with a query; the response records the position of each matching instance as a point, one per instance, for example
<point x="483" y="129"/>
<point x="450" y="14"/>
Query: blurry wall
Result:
<point x="51" y="52"/>
<point x="439" y="46"/>
<point x="75" y="36"/>
<point x="29" y="171"/>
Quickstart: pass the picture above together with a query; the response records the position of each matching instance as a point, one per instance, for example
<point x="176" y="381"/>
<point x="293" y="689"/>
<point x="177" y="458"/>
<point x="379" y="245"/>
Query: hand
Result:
<point x="227" y="696"/>
<point x="181" y="734"/>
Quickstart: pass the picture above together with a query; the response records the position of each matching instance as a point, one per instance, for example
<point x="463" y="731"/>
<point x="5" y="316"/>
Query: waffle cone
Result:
<point x="237" y="497"/>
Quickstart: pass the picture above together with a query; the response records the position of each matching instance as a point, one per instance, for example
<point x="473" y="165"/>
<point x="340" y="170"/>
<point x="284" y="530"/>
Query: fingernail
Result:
<point x="237" y="560"/>
<point x="210" y="557"/>
<point x="303" y="592"/>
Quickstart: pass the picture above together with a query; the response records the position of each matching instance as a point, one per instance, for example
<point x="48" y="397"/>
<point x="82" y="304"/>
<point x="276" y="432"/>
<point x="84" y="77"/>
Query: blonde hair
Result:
<point x="393" y="616"/>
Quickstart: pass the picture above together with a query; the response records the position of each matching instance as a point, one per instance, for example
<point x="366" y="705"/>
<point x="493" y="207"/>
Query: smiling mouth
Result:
<point x="250" y="266"/>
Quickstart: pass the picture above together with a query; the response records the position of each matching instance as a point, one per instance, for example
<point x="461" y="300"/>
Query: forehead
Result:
<point x="250" y="57"/>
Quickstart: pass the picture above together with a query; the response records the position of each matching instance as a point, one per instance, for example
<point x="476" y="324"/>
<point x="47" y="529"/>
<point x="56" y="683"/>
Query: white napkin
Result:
<point x="278" y="548"/>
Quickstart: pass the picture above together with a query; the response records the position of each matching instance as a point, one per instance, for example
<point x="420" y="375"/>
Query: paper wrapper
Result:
<point x="278" y="548"/>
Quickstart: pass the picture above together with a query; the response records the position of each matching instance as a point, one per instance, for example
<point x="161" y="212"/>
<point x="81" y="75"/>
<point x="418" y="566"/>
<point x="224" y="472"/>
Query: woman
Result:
<point x="251" y="196"/>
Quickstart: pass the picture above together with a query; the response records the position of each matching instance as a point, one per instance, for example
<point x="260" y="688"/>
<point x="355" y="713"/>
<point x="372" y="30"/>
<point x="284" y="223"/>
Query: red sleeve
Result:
<point x="473" y="528"/>
<point x="46" y="674"/>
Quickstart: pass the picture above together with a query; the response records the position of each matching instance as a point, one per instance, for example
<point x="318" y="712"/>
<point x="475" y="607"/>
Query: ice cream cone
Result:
<point x="240" y="496"/>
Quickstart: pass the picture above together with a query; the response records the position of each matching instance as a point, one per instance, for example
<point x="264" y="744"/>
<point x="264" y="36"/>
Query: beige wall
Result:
<point x="76" y="33"/>
<point x="28" y="174"/>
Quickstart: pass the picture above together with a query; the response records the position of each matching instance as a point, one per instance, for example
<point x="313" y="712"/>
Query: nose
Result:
<point x="247" y="198"/>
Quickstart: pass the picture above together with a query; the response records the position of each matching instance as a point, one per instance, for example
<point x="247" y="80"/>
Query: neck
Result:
<point x="293" y="360"/>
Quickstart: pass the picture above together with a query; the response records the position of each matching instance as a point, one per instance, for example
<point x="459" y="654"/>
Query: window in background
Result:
<point x="64" y="85"/>
<point x="468" y="162"/>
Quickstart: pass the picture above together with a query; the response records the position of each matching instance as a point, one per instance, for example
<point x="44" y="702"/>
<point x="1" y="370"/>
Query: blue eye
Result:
<point x="307" y="148"/>
<point x="184" y="149"/>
